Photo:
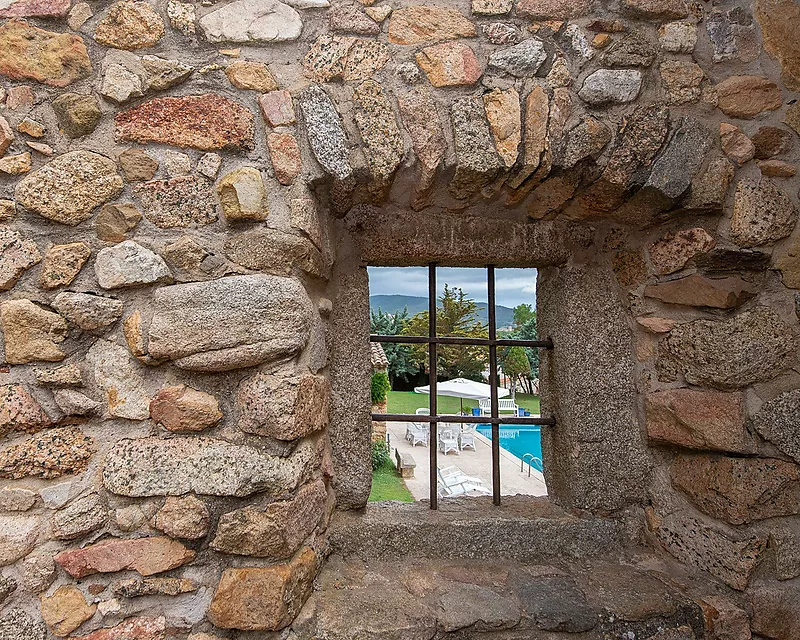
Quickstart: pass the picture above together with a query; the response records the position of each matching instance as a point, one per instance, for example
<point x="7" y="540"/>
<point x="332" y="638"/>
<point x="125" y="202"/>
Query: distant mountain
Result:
<point x="395" y="303"/>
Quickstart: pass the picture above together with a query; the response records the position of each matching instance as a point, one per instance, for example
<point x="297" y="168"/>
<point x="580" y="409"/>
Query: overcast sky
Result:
<point x="513" y="286"/>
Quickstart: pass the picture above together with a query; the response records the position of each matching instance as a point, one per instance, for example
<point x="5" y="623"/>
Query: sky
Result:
<point x="513" y="286"/>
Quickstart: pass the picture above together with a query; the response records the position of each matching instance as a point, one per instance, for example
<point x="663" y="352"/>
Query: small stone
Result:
<point x="16" y="256"/>
<point x="242" y="195"/>
<point x="80" y="517"/>
<point x="777" y="422"/>
<point x="697" y="291"/>
<point x="587" y="139"/>
<point x="521" y="60"/>
<point x="552" y="9"/>
<point x="611" y="86"/>
<point x="130" y="628"/>
<point x="34" y="9"/>
<point x="735" y="144"/>
<point x="48" y="455"/>
<point x="88" y="311"/>
<point x="14" y="499"/>
<point x="326" y="60"/>
<point x="137" y="587"/>
<point x="505" y="121"/>
<point x="41" y="147"/>
<point x="19" y="411"/>
<point x="792" y="117"/>
<point x="277" y="108"/>
<point x="147" y="556"/>
<point x="655" y="9"/>
<point x="777" y="168"/>
<point x="129" y="25"/>
<point x="123" y="77"/>
<point x="421" y="23"/>
<point x="500" y="33"/>
<point x="733" y="35"/>
<point x="208" y="165"/>
<point x="378" y="14"/>
<point x="724" y="619"/>
<point x="477" y="162"/>
<point x="67" y="376"/>
<point x="62" y="264"/>
<point x="305" y="217"/>
<point x="28" y="127"/>
<point x="115" y="220"/>
<point x="708" y="189"/>
<point x="674" y="170"/>
<point x="130" y="518"/>
<point x="682" y="81"/>
<point x="66" y="610"/>
<point x="631" y="51"/>
<point x="771" y="141"/>
<point x="285" y="155"/>
<point x="450" y="64"/>
<point x="181" y="16"/>
<point x="38" y="570"/>
<point x="77" y="114"/>
<point x="747" y="96"/>
<point x="601" y="41"/>
<point x="325" y="133"/>
<point x="129" y="264"/>
<point x="17" y="537"/>
<point x="74" y="403"/>
<point x="186" y="518"/>
<point x="491" y="7"/>
<point x="16" y="165"/>
<point x="31" y="333"/>
<point x="670" y="253"/>
<point x="205" y="122"/>
<point x="19" y="97"/>
<point x="54" y="59"/>
<point x="677" y="37"/>
<point x="177" y="202"/>
<point x="182" y="408"/>
<point x="163" y="73"/>
<point x="365" y="58"/>
<point x="176" y="164"/>
<point x="786" y="549"/>
<point x="122" y="379"/>
<point x="78" y="15"/>
<point x="350" y="19"/>
<point x="577" y="41"/>
<point x="8" y="210"/>
<point x="252" y="21"/>
<point x="251" y="75"/>
<point x="762" y="213"/>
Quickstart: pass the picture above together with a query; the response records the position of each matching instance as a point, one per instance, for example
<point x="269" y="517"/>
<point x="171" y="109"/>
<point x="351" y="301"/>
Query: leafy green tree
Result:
<point x="515" y="364"/>
<point x="525" y="329"/>
<point x="456" y="316"/>
<point x="401" y="363"/>
<point x="523" y="313"/>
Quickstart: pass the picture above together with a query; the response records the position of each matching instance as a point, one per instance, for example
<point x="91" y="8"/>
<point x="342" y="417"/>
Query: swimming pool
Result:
<point x="517" y="440"/>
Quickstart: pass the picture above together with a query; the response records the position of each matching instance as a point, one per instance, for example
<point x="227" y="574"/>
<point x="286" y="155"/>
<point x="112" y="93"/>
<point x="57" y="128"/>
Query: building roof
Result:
<point x="378" y="356"/>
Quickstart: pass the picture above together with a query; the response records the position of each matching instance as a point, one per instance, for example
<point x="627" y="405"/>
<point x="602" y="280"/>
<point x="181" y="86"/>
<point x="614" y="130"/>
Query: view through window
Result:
<point x="455" y="383"/>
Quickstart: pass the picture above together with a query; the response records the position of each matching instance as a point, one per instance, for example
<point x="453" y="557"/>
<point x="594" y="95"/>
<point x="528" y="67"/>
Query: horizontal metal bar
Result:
<point x="412" y="417"/>
<point x="547" y="343"/>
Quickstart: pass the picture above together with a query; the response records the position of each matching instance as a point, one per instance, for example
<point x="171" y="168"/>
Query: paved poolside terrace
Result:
<point x="476" y="463"/>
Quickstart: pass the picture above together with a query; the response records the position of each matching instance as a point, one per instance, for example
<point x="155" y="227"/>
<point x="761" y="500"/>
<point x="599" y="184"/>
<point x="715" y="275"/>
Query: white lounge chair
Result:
<point x="448" y="441"/>
<point x="417" y="433"/>
<point x="463" y="489"/>
<point x="451" y="476"/>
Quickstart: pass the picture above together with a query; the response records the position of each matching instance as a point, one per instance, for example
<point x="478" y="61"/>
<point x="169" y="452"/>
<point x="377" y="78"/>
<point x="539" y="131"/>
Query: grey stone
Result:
<point x="325" y="132"/>
<point x="674" y="169"/>
<point x="88" y="311"/>
<point x="16" y="499"/>
<point x="709" y="187"/>
<point x="606" y="86"/>
<point x="122" y="378"/>
<point x="156" y="467"/>
<point x="470" y="605"/>
<point x="123" y="77"/>
<point x="754" y="346"/>
<point x="785" y="545"/>
<point x="586" y="139"/>
<point x="732" y="34"/>
<point x="631" y="51"/>
<point x="779" y="422"/>
<point x="129" y="264"/>
<point x="477" y="162"/>
<point x="522" y="60"/>
<point x="637" y="145"/>
<point x="18" y="536"/>
<point x="776" y="610"/>
<point x="7" y="586"/>
<point x="163" y="74"/>
<point x="724" y="261"/>
<point x="252" y="21"/>
<point x="678" y="37"/>
<point x="554" y="603"/>
<point x="80" y="517"/>
<point x="74" y="403"/>
<point x="178" y="202"/>
<point x="762" y="213"/>
<point x="230" y="323"/>
<point x="15" y="624"/>
<point x="500" y="32"/>
<point x="39" y="568"/>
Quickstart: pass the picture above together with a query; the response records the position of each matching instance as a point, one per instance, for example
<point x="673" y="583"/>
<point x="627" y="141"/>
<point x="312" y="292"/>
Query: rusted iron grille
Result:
<point x="432" y="340"/>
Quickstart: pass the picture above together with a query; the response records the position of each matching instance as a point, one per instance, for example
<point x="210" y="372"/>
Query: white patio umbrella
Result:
<point x="463" y="388"/>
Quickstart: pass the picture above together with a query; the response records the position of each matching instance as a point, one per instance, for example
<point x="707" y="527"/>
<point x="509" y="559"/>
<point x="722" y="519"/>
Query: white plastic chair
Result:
<point x="466" y="438"/>
<point x="448" y="441"/>
<point x="417" y="433"/>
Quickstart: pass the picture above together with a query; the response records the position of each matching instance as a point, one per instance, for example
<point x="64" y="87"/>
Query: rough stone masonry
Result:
<point x="189" y="192"/>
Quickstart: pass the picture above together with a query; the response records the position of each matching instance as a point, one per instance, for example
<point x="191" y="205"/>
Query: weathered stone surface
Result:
<point x="697" y="291"/>
<point x="7" y="586"/>
<point x="637" y="145"/>
<point x="552" y="9"/>
<point x="377" y="125"/>
<point x="325" y="132"/>
<point x="792" y="117"/>
<point x="62" y="263"/>
<point x="276" y="532"/>
<point x="146" y="556"/>
<point x="505" y="122"/>
<point x="137" y="165"/>
<point x="421" y="121"/>
<point x="724" y="619"/>
<point x="16" y="165"/>
<point x="176" y="164"/>
<point x="122" y="379"/>
<point x="778" y="422"/>
<point x="762" y="213"/>
<point x="129" y="25"/>
<point x="18" y="536"/>
<point x="252" y="21"/>
<point x="326" y="60"/>
<point x="364" y="59"/>
<point x="163" y="73"/>
<point x="555" y="603"/>
<point x="129" y="264"/>
<point x="245" y="74"/>
<point x="77" y="114"/>
<point x="586" y="139"/>
<point x="747" y="96"/>
<point x="69" y="187"/>
<point x="500" y="33"/>
<point x="74" y="403"/>
<point x="678" y="37"/>
<point x="66" y="610"/>
<point x="17" y="254"/>
<point x="477" y="162"/>
<point x="115" y="220"/>
<point x="733" y="35"/>
<point x="6" y="135"/>
<point x="55" y="59"/>
<point x="491" y="7"/>
<point x="203" y="466"/>
<point x="779" y="21"/>
<point x="208" y="165"/>
<point x="15" y="499"/>
<point x="132" y="629"/>
<point x="181" y="16"/>
<point x="31" y="333"/>
<point x="776" y="610"/>
<point x="277" y="108"/>
<point x="737" y="146"/>
<point x="671" y="252"/>
<point x="48" y="455"/>
<point x="611" y="86"/>
<point x="65" y="376"/>
<point x="420" y="23"/>
<point x="80" y="517"/>
<point x="185" y="517"/>
<point x="709" y="187"/>
<point x="15" y="624"/>
<point x="243" y="321"/>
<point x="19" y="410"/>
<point x="205" y="122"/>
<point x="450" y="64"/>
<point x="349" y="18"/>
<point x="698" y="420"/>
<point x="739" y="490"/>
<point x="177" y="202"/>
<point x="182" y="408"/>
<point x="785" y="546"/>
<point x="88" y="311"/>
<point x="35" y="9"/>
<point x="754" y="346"/>
<point x="682" y="81"/>
<point x="124" y="77"/>
<point x="655" y="10"/>
<point x="674" y="169"/>
<point x="521" y="60"/>
<point x="631" y="50"/>
<point x="137" y="587"/>
<point x="777" y="169"/>
<point x="286" y="157"/>
<point x="8" y="210"/>
<point x="274" y="595"/>
<point x="243" y="196"/>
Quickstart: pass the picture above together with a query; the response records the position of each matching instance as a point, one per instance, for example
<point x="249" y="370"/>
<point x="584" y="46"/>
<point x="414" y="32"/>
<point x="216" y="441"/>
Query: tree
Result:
<point x="456" y="316"/>
<point x="515" y="364"/>
<point x="401" y="363"/>
<point x="525" y="329"/>
<point x="523" y="313"/>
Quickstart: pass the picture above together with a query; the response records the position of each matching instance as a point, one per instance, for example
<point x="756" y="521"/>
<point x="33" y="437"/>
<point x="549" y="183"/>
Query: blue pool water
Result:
<point x="517" y="440"/>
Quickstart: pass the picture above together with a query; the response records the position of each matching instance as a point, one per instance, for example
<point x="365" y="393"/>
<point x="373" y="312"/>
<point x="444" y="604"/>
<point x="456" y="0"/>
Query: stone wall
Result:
<point x="189" y="193"/>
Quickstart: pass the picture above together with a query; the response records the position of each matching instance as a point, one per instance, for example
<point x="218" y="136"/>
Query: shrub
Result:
<point x="380" y="387"/>
<point x="380" y="454"/>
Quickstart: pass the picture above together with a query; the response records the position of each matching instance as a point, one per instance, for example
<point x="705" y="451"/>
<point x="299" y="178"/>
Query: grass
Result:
<point x="387" y="485"/>
<point x="409" y="402"/>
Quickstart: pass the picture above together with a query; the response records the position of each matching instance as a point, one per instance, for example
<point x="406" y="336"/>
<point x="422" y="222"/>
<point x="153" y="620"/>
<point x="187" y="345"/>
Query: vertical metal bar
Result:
<point x="493" y="384"/>
<point x="432" y="355"/>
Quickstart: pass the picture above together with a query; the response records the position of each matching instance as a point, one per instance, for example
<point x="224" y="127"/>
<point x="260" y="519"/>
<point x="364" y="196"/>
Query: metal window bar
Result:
<point x="432" y="340"/>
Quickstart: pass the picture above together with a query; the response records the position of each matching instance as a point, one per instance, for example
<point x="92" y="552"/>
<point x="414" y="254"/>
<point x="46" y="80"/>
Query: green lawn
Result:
<point x="387" y="485"/>
<point x="409" y="402"/>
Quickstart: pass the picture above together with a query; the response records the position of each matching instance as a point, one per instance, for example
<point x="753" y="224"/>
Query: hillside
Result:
<point x="394" y="303"/>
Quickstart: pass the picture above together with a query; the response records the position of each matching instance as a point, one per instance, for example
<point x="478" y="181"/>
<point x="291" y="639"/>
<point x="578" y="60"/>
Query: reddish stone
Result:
<point x="204" y="122"/>
<point x="19" y="97"/>
<point x="147" y="556"/>
<point x="285" y="154"/>
<point x="776" y="611"/>
<point x="657" y="325"/>
<point x="671" y="252"/>
<point x="132" y="629"/>
<point x="656" y="9"/>
<point x="780" y="23"/>
<point x="771" y="141"/>
<point x="182" y="408"/>
<point x="36" y="9"/>
<point x="47" y="455"/>
<point x="723" y="619"/>
<point x="747" y="96"/>
<point x="450" y="64"/>
<point x="777" y="168"/>
<point x="697" y="291"/>
<point x="420" y="23"/>
<point x="55" y="59"/>
<point x="6" y="135"/>
<point x="19" y="411"/>
<point x="553" y="9"/>
<point x="735" y="144"/>
<point x="629" y="267"/>
<point x="277" y="108"/>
